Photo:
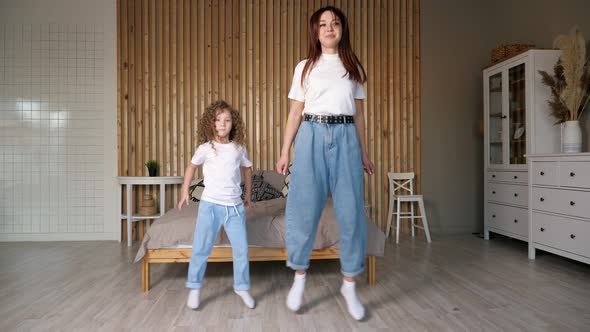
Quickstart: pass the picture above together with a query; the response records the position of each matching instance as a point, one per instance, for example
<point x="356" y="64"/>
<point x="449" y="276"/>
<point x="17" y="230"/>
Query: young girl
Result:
<point x="222" y="153"/>
<point x="330" y="153"/>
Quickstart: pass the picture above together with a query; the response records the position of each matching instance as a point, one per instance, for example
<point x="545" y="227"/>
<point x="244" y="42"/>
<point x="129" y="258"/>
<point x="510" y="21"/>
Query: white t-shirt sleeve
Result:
<point x="244" y="161"/>
<point x="199" y="156"/>
<point x="359" y="91"/>
<point x="296" y="92"/>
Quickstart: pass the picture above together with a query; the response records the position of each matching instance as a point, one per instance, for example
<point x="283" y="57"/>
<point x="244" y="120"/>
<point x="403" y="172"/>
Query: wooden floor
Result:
<point x="455" y="284"/>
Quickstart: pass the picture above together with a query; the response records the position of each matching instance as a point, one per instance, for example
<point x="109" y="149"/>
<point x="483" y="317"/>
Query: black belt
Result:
<point x="329" y="119"/>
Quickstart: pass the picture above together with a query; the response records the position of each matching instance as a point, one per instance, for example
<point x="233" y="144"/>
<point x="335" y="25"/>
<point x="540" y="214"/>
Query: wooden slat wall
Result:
<point x="177" y="56"/>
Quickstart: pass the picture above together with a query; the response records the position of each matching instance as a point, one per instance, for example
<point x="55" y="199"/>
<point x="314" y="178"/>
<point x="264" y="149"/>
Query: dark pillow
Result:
<point x="285" y="190"/>
<point x="195" y="191"/>
<point x="261" y="190"/>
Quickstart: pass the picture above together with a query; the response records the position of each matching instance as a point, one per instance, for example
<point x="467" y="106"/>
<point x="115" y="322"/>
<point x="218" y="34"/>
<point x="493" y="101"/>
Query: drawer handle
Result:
<point x="572" y="174"/>
<point x="542" y="229"/>
<point x="515" y="220"/>
<point x="542" y="173"/>
<point x="572" y="236"/>
<point x="542" y="199"/>
<point x="572" y="203"/>
<point x="515" y="194"/>
<point x="494" y="192"/>
<point x="504" y="116"/>
<point x="493" y="175"/>
<point x="516" y="177"/>
<point x="493" y="216"/>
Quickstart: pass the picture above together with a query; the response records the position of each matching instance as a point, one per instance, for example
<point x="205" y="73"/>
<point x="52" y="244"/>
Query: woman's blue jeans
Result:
<point x="327" y="158"/>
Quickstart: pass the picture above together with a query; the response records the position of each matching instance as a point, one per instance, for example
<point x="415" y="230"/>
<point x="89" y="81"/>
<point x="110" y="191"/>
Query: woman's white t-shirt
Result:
<point x="326" y="90"/>
<point x="221" y="170"/>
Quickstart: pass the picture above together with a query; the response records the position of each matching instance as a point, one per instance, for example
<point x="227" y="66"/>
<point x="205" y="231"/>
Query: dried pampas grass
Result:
<point x="570" y="84"/>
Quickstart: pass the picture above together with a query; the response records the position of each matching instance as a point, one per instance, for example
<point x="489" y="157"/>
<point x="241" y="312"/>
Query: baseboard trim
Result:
<point x="22" y="237"/>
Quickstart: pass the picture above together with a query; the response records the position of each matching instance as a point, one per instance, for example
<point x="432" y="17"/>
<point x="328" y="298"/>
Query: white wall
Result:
<point x="456" y="39"/>
<point x="58" y="120"/>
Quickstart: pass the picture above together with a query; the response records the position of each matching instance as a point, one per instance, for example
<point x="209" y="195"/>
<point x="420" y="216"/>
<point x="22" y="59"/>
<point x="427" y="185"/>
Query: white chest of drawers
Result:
<point x="507" y="202"/>
<point x="559" y="205"/>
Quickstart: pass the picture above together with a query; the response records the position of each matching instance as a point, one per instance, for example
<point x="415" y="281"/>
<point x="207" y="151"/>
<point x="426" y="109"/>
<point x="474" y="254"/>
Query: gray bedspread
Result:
<point x="265" y="223"/>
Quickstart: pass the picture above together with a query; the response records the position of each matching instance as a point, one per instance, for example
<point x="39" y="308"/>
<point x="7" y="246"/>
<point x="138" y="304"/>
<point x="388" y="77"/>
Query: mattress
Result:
<point x="265" y="222"/>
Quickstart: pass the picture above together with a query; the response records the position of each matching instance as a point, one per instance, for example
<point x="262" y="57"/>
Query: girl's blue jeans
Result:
<point x="327" y="159"/>
<point x="209" y="221"/>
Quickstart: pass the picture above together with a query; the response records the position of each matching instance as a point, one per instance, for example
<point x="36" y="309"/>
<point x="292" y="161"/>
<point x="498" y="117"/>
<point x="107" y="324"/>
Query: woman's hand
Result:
<point x="183" y="199"/>
<point x="282" y="164"/>
<point x="368" y="164"/>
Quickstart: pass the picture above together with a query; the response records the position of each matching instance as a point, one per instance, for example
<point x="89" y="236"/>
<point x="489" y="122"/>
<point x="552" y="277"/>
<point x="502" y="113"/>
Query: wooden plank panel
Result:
<point x="202" y="88"/>
<point x="153" y="80"/>
<point x="228" y="54"/>
<point x="214" y="58"/>
<point x="160" y="99"/>
<point x="139" y="91"/>
<point x="120" y="71"/>
<point x="236" y="55"/>
<point x="377" y="111"/>
<point x="372" y="99"/>
<point x="173" y="88"/>
<point x="398" y="89"/>
<point x="194" y="80"/>
<point x="285" y="73"/>
<point x="404" y="69"/>
<point x="186" y="115"/>
<point x="132" y="78"/>
<point x="180" y="132"/>
<point x="256" y="153"/>
<point x="221" y="22"/>
<point x="410" y="135"/>
<point x="168" y="98"/>
<point x="416" y="74"/>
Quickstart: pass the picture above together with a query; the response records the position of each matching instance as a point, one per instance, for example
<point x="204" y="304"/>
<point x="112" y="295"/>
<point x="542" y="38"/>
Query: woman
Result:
<point x="330" y="153"/>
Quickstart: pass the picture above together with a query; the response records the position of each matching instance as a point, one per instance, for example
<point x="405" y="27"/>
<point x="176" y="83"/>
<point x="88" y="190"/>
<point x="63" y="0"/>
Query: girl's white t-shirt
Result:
<point x="326" y="90"/>
<point x="221" y="171"/>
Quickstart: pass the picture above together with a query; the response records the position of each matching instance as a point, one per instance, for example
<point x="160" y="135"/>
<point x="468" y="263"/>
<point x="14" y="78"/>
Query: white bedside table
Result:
<point x="129" y="182"/>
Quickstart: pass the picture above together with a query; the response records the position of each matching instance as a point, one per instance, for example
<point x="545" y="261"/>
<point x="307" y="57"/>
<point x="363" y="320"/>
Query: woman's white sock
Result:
<point x="247" y="298"/>
<point x="296" y="293"/>
<point x="193" y="299"/>
<point x="355" y="308"/>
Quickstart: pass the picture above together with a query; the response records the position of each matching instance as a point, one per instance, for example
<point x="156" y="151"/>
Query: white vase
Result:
<point x="571" y="137"/>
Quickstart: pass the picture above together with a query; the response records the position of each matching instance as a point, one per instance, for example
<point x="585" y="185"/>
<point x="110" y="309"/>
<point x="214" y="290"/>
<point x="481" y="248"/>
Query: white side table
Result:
<point x="129" y="182"/>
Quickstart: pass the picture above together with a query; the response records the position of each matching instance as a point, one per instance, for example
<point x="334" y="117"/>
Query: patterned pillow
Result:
<point x="195" y="191"/>
<point x="285" y="189"/>
<point x="261" y="190"/>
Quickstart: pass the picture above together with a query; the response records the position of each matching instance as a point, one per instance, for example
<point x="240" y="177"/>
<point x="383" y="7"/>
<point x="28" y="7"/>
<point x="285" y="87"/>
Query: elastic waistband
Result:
<point x="329" y="119"/>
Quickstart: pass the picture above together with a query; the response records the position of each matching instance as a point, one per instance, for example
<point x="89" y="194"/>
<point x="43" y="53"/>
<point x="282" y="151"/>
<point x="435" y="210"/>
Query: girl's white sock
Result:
<point x="193" y="299"/>
<point x="296" y="293"/>
<point x="355" y="308"/>
<point x="247" y="298"/>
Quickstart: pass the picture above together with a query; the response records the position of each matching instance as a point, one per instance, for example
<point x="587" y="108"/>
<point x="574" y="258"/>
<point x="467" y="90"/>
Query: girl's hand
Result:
<point x="247" y="203"/>
<point x="282" y="165"/>
<point x="368" y="164"/>
<point x="183" y="199"/>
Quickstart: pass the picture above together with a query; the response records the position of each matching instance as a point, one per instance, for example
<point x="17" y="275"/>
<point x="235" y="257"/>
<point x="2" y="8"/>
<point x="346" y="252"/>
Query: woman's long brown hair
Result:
<point x="314" y="48"/>
<point x="206" y="128"/>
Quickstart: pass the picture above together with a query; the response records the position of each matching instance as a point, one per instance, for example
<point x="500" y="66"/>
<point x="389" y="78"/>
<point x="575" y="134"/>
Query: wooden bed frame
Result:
<point x="224" y="254"/>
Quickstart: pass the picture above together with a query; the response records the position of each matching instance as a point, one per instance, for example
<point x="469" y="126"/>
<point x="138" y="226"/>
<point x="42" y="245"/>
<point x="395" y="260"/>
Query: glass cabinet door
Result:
<point x="516" y="115"/>
<point x="496" y="147"/>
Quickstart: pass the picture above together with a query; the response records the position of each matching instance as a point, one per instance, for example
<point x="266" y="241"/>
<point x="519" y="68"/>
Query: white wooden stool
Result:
<point x="401" y="190"/>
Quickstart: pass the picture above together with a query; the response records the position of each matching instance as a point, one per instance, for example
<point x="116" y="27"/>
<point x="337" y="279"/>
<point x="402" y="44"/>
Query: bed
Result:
<point x="169" y="239"/>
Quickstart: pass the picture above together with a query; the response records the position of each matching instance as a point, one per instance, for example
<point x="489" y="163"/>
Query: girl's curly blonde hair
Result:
<point x="206" y="128"/>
